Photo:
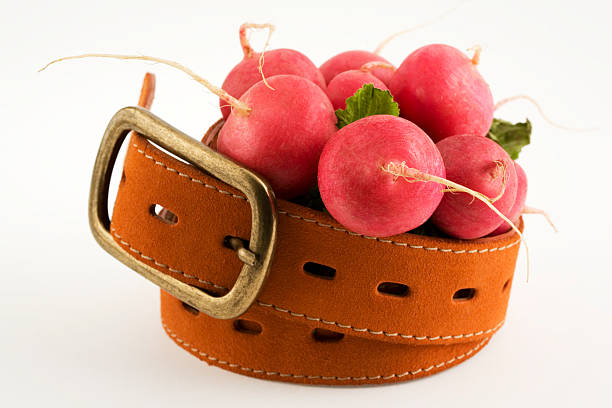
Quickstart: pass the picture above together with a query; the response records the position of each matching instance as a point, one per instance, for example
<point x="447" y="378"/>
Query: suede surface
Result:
<point x="384" y="335"/>
<point x="307" y="328"/>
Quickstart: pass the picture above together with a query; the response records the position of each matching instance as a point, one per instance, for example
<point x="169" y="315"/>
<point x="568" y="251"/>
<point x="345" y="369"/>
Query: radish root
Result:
<point x="248" y="50"/>
<point x="533" y="210"/>
<point x="500" y="166"/>
<point x="369" y="66"/>
<point x="236" y="104"/>
<point x="387" y="40"/>
<point x="540" y="110"/>
<point x="412" y="175"/>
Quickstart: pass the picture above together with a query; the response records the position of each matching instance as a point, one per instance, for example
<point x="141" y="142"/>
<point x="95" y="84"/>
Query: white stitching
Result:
<point x="320" y="224"/>
<point x="187" y="176"/>
<point x="319" y="377"/>
<point x="161" y="265"/>
<point x="314" y="319"/>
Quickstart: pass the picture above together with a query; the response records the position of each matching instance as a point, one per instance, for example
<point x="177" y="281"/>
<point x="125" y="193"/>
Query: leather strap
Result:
<point x="360" y="326"/>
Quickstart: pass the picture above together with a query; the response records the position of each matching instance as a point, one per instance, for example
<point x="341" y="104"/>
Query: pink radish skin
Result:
<point x="345" y="84"/>
<point x="364" y="198"/>
<point x="283" y="135"/>
<point x="519" y="202"/>
<point x="354" y="60"/>
<point x="439" y="88"/>
<point x="470" y="161"/>
<point x="276" y="62"/>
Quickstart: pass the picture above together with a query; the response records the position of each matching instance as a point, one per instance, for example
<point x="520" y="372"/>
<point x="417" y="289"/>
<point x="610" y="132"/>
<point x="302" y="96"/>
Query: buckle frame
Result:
<point x="258" y="193"/>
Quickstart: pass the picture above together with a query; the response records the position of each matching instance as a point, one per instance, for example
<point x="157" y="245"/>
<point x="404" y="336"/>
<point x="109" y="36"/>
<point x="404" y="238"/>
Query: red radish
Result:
<point x="277" y="132"/>
<point x="345" y="84"/>
<point x="354" y="60"/>
<point x="363" y="197"/>
<point x="253" y="67"/>
<point x="284" y="133"/>
<point x="519" y="201"/>
<point x="439" y="88"/>
<point x="482" y="165"/>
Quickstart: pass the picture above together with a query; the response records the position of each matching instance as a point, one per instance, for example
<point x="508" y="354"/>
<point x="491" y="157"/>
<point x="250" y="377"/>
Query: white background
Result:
<point x="77" y="328"/>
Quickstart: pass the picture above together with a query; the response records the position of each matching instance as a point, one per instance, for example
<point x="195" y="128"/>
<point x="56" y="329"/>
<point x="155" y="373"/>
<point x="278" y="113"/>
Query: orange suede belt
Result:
<point x="337" y="307"/>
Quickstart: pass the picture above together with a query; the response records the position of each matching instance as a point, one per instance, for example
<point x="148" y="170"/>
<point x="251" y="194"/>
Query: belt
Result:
<point x="330" y="307"/>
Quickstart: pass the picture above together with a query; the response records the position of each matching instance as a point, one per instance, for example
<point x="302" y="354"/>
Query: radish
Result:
<point x="355" y="60"/>
<point x="345" y="84"/>
<point x="277" y="132"/>
<point x="256" y="66"/>
<point x="519" y="202"/>
<point x="438" y="88"/>
<point x="482" y="165"/>
<point x="364" y="198"/>
<point x="283" y="135"/>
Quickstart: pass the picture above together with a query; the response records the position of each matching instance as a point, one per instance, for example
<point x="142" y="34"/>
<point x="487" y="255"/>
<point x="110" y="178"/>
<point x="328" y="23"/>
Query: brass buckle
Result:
<point x="256" y="259"/>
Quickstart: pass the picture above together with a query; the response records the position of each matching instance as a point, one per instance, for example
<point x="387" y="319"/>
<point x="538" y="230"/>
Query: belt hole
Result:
<point x="163" y="214"/>
<point x="247" y="326"/>
<point x="234" y="243"/>
<point x="506" y="285"/>
<point x="464" y="294"/>
<point x="393" y="289"/>
<point x="326" y="336"/>
<point x="319" y="271"/>
<point x="190" y="309"/>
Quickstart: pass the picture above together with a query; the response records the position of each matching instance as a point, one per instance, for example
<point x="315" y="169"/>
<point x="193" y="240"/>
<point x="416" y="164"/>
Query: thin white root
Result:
<point x="528" y="98"/>
<point x="533" y="210"/>
<point x="248" y="50"/>
<point x="412" y="175"/>
<point x="387" y="40"/>
<point x="477" y="51"/>
<point x="500" y="166"/>
<point x="241" y="107"/>
<point x="244" y="41"/>
<point x="369" y="66"/>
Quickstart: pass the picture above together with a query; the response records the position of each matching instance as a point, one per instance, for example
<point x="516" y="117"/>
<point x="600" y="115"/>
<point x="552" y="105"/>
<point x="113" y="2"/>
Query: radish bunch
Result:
<point x="383" y="150"/>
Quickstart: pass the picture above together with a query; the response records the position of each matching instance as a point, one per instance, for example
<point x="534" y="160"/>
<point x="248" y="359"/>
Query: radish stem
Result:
<point x="477" y="51"/>
<point x="369" y="66"/>
<point x="248" y="50"/>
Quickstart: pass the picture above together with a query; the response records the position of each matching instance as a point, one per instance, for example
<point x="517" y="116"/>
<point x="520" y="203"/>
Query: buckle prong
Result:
<point x="262" y="243"/>
<point x="244" y="254"/>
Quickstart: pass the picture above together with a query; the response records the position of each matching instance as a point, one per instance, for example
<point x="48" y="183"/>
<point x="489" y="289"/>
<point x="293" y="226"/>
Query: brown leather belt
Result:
<point x="337" y="307"/>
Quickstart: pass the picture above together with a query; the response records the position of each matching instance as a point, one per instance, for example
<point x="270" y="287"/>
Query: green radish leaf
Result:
<point x="512" y="137"/>
<point x="367" y="101"/>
